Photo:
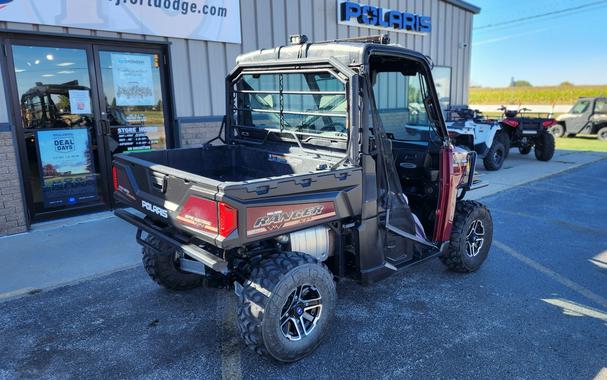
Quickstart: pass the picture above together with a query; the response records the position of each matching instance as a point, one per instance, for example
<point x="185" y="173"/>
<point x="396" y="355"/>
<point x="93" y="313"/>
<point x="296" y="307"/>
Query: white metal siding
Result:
<point x="200" y="66"/>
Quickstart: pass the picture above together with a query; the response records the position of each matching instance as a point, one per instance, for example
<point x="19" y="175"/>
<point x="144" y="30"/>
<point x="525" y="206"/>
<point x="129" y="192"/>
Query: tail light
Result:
<point x="228" y="219"/>
<point x="453" y="134"/>
<point x="511" y="122"/>
<point x="115" y="177"/>
<point x="548" y="123"/>
<point x="209" y="216"/>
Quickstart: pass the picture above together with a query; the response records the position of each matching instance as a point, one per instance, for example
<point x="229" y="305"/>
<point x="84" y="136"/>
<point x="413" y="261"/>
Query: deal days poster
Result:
<point x="66" y="167"/>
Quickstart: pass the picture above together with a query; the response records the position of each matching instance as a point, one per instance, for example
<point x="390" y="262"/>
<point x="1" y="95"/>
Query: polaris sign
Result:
<point x="354" y="14"/>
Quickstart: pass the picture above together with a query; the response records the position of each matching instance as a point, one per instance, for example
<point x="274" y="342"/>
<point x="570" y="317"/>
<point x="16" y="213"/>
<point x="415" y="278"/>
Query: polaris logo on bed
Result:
<point x="155" y="209"/>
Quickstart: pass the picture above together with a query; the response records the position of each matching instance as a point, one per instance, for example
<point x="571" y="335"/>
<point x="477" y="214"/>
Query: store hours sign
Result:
<point x="364" y="15"/>
<point x="213" y="20"/>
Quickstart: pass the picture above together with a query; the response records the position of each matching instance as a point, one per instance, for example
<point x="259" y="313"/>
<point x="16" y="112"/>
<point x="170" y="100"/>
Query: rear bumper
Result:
<point x="193" y="251"/>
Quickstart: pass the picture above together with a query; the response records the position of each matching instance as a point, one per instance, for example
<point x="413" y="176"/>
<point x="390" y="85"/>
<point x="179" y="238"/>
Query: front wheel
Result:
<point x="494" y="159"/>
<point x="557" y="130"/>
<point x="602" y="134"/>
<point x="286" y="306"/>
<point x="471" y="237"/>
<point x="544" y="147"/>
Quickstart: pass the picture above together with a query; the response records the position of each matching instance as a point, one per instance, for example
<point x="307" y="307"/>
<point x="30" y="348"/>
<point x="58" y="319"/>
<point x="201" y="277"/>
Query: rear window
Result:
<point x="313" y="103"/>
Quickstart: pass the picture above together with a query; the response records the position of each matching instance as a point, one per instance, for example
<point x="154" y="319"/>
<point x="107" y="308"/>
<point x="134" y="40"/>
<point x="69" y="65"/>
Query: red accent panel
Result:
<point x="270" y="219"/>
<point x="199" y="213"/>
<point x="450" y="176"/>
<point x="115" y="178"/>
<point x="121" y="182"/>
<point x="511" y="122"/>
<point x="548" y="123"/>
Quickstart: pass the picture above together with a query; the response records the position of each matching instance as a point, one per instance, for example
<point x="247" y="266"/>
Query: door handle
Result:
<point x="105" y="127"/>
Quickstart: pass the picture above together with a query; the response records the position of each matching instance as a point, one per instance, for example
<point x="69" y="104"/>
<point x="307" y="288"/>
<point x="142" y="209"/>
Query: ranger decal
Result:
<point x="261" y="220"/>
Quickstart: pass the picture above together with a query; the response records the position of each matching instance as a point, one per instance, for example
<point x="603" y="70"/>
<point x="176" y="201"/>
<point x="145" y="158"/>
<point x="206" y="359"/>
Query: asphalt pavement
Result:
<point x="536" y="309"/>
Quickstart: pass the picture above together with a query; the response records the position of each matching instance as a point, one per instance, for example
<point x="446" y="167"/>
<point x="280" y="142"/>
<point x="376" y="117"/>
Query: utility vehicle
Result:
<point x="336" y="163"/>
<point x="588" y="115"/>
<point x="470" y="129"/>
<point x="525" y="130"/>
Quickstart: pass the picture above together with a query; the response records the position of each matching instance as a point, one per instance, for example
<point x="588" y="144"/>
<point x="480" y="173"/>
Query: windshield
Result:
<point x="580" y="107"/>
<point x="312" y="103"/>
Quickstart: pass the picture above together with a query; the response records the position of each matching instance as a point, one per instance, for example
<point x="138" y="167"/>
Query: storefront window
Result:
<point x="442" y="81"/>
<point x="53" y="86"/>
<point x="133" y="101"/>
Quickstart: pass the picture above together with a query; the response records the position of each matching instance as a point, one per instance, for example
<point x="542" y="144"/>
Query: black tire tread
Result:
<point x="156" y="263"/>
<point x="545" y="146"/>
<point x="266" y="273"/>
<point x="452" y="258"/>
<point x="488" y="160"/>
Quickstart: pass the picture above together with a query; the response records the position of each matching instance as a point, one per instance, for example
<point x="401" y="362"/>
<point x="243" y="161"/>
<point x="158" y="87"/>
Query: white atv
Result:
<point x="471" y="130"/>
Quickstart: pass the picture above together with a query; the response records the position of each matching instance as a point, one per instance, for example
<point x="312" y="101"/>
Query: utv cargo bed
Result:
<point x="194" y="188"/>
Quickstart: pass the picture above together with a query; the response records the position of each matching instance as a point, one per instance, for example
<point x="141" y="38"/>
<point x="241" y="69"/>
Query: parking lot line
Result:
<point x="585" y="292"/>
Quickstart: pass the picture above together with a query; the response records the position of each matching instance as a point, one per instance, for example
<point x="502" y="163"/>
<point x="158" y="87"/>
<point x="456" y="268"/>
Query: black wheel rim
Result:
<point x="301" y="312"/>
<point x="498" y="156"/>
<point x="603" y="135"/>
<point x="475" y="238"/>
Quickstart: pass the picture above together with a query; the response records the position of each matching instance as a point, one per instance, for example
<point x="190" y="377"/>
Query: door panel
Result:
<point x="57" y="127"/>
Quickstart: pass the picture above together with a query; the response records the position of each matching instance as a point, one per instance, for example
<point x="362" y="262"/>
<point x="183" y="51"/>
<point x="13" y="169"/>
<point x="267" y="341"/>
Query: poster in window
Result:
<point x="80" y="102"/>
<point x="66" y="167"/>
<point x="133" y="79"/>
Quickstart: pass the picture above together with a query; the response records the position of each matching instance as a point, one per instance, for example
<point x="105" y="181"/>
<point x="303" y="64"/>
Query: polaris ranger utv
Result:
<point x="588" y="115"/>
<point x="336" y="164"/>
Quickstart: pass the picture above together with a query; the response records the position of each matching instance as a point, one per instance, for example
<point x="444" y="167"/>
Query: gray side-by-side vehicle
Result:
<point x="335" y="163"/>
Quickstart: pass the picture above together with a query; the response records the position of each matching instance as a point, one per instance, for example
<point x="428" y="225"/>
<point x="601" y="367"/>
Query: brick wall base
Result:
<point x="12" y="217"/>
<point x="196" y="134"/>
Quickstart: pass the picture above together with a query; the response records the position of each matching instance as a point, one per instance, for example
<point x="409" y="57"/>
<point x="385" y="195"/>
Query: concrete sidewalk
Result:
<point x="65" y="251"/>
<point x="520" y="169"/>
<point x="75" y="249"/>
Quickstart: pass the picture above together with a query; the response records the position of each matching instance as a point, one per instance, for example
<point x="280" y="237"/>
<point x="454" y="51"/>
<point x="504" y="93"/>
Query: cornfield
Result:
<point x="534" y="95"/>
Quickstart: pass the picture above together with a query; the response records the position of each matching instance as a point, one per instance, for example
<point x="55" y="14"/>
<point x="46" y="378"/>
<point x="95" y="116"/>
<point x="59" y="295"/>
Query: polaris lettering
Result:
<point x="155" y="209"/>
<point x="376" y="17"/>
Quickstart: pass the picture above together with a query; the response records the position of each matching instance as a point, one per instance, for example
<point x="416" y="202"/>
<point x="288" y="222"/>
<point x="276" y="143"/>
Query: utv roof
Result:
<point x="353" y="51"/>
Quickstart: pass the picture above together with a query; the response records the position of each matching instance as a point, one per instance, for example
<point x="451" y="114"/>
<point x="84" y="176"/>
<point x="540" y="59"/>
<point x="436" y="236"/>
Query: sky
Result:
<point x="544" y="51"/>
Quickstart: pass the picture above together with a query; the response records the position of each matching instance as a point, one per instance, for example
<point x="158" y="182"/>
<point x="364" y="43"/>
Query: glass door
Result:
<point x="132" y="99"/>
<point x="59" y="140"/>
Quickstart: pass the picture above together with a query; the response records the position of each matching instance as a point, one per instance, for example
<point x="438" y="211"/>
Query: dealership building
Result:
<point x="83" y="80"/>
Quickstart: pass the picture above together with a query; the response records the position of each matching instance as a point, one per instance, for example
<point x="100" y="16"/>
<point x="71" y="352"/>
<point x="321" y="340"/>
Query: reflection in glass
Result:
<point x="133" y="97"/>
<point x="53" y="86"/>
<point x="442" y="81"/>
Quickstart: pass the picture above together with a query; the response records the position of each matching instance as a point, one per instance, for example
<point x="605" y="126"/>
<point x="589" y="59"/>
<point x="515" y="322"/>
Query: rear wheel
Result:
<point x="524" y="149"/>
<point x="471" y="237"/>
<point x="557" y="130"/>
<point x="602" y="134"/>
<point x="494" y="159"/>
<point x="286" y="306"/>
<point x="544" y="147"/>
<point x="162" y="265"/>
